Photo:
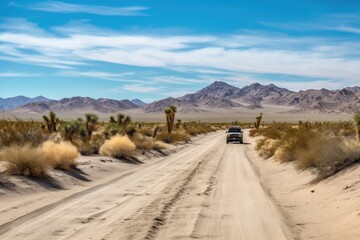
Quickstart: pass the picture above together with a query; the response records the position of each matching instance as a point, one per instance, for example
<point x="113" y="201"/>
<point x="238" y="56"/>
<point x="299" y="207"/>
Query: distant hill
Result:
<point x="222" y="95"/>
<point x="14" y="102"/>
<point x="78" y="104"/>
<point x="138" y="102"/>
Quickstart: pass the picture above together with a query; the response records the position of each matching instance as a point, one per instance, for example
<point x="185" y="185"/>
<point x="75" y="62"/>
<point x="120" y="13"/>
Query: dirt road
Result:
<point x="208" y="190"/>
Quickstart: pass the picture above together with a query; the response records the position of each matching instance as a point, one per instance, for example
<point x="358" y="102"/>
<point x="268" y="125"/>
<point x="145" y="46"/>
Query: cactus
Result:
<point x="357" y="123"/>
<point x="258" y="121"/>
<point x="170" y="117"/>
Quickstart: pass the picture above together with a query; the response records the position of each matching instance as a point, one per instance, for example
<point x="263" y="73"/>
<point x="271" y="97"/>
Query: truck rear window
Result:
<point x="234" y="130"/>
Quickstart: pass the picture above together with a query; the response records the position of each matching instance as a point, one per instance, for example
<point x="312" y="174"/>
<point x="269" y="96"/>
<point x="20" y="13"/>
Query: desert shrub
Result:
<point x="60" y="155"/>
<point x="267" y="147"/>
<point x="19" y="132"/>
<point x="174" y="137"/>
<point x="196" y="128"/>
<point x="24" y="160"/>
<point x="146" y="131"/>
<point x="253" y="132"/>
<point x="158" y="145"/>
<point x="89" y="146"/>
<point x="295" y="140"/>
<point x="142" y="142"/>
<point x="118" y="146"/>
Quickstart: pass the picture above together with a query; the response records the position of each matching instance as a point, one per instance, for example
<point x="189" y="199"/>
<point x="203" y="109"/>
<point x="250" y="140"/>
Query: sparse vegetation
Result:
<point x="324" y="147"/>
<point x="29" y="148"/>
<point x="19" y="132"/>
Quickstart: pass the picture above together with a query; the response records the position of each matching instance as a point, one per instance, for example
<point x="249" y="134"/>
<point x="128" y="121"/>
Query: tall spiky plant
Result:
<point x="357" y="123"/>
<point x="51" y="121"/>
<point x="170" y="117"/>
<point x="119" y="118"/>
<point x="258" y="121"/>
<point x="126" y="121"/>
<point x="90" y="124"/>
<point x="112" y="120"/>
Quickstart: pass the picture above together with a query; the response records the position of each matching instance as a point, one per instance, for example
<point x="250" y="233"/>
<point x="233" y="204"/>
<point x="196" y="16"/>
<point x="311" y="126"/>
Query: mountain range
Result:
<point x="223" y="95"/>
<point x="217" y="95"/>
<point x="14" y="102"/>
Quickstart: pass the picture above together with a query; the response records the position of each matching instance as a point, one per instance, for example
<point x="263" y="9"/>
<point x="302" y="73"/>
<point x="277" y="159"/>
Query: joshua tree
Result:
<point x="258" y="121"/>
<point x="112" y="119"/>
<point x="70" y="129"/>
<point x="119" y="118"/>
<point x="178" y="124"/>
<point x="90" y="124"/>
<point x="126" y="121"/>
<point x="170" y="117"/>
<point x="357" y="122"/>
<point x="51" y="121"/>
<point x="155" y="131"/>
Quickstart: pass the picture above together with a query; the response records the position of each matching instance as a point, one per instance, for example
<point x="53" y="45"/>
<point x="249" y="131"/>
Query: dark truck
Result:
<point x="234" y="134"/>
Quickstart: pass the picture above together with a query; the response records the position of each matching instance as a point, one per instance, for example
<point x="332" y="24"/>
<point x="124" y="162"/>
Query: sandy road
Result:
<point x="207" y="191"/>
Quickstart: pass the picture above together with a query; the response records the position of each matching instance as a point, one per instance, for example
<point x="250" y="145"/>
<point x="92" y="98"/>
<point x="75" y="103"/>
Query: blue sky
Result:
<point x="155" y="49"/>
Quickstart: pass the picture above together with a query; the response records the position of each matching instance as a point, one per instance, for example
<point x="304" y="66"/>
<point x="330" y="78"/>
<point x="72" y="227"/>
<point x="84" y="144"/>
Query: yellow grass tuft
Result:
<point x="118" y="146"/>
<point x="158" y="145"/>
<point x="24" y="160"/>
<point x="60" y="155"/>
<point x="142" y="142"/>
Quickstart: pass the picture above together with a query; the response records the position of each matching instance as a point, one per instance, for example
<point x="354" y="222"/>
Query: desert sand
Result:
<point x="206" y="190"/>
<point x="271" y="113"/>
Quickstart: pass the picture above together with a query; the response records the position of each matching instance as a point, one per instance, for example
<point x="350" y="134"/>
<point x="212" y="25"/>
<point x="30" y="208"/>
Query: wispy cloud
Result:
<point x="346" y="23"/>
<point x="235" y="55"/>
<point x="63" y="7"/>
<point x="18" y="74"/>
<point x="140" y="88"/>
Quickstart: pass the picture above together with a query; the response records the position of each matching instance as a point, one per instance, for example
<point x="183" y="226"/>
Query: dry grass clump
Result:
<point x="173" y="137"/>
<point x="24" y="160"/>
<point x="267" y="147"/>
<point x="158" y="145"/>
<point x="142" y="142"/>
<point x="90" y="146"/>
<point x="118" y="147"/>
<point x="60" y="155"/>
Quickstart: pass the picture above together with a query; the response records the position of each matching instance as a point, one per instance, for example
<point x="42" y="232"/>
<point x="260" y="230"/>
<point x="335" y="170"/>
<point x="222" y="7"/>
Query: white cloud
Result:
<point x="140" y="88"/>
<point x="62" y="7"/>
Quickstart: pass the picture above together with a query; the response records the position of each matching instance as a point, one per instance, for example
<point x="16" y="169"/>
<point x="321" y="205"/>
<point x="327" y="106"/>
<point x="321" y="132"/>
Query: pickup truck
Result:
<point x="234" y="134"/>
